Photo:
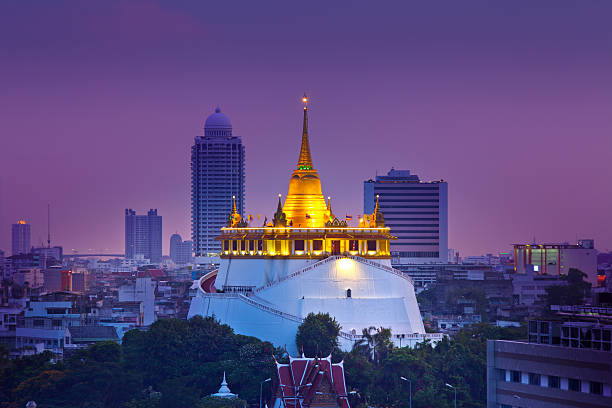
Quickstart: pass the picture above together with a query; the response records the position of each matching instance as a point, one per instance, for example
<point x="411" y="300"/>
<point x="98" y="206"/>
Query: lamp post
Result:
<point x="455" y="390"/>
<point x="261" y="389"/>
<point x="410" y="388"/>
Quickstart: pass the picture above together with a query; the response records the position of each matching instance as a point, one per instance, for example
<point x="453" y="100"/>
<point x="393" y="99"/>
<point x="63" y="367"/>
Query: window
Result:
<point x="501" y="374"/>
<point x="234" y="245"/>
<point x="259" y="245"/>
<point x="317" y="245"/>
<point x="252" y="245"/>
<point x="299" y="245"/>
<point x="226" y="245"/>
<point x="574" y="384"/>
<point x="371" y="245"/>
<point x="515" y="376"/>
<point x="596" y="388"/>
<point x="243" y="245"/>
<point x="534" y="379"/>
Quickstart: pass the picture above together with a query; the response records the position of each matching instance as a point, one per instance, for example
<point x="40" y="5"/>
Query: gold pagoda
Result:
<point x="304" y="226"/>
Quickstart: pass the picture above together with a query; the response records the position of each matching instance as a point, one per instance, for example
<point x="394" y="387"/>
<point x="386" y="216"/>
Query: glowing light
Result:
<point x="345" y="264"/>
<point x="22" y="222"/>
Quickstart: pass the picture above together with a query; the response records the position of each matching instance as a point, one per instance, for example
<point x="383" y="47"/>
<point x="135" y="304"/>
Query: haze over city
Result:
<point x="100" y="105"/>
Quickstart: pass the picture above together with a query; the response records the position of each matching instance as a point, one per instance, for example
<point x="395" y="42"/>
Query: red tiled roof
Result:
<point x="300" y="380"/>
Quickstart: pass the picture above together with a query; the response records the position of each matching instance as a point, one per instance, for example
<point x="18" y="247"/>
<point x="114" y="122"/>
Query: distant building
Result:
<point x="217" y="174"/>
<point x="564" y="365"/>
<point x="48" y="256"/>
<point x="558" y="259"/>
<point x="143" y="292"/>
<point x="57" y="279"/>
<point x="529" y="288"/>
<point x="143" y="235"/>
<point x="180" y="251"/>
<point x="21" y="238"/>
<point x="33" y="277"/>
<point x="416" y="212"/>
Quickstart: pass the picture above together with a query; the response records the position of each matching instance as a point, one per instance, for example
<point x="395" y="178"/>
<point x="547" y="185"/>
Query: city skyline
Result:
<point x="509" y="106"/>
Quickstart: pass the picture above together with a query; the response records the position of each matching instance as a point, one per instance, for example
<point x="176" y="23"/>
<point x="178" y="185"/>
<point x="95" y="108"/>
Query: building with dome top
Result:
<point x="307" y="260"/>
<point x="217" y="175"/>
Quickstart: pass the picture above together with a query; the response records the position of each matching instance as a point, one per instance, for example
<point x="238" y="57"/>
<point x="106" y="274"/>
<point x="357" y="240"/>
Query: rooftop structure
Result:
<point x="224" y="391"/>
<point x="307" y="260"/>
<point x="306" y="382"/>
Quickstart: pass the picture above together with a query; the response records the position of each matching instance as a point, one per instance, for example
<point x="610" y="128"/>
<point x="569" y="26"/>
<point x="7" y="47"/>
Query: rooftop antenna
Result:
<point x="48" y="225"/>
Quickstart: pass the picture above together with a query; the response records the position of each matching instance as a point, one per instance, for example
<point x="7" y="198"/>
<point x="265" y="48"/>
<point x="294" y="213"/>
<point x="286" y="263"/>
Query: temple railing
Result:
<point x="331" y="259"/>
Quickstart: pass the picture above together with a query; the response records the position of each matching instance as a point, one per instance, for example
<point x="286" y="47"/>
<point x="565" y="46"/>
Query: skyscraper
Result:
<point x="180" y="251"/>
<point x="417" y="213"/>
<point x="217" y="174"/>
<point x="21" y="238"/>
<point x="143" y="235"/>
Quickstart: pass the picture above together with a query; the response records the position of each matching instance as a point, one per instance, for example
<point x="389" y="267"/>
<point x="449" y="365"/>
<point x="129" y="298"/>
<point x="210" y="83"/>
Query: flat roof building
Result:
<point x="417" y="213"/>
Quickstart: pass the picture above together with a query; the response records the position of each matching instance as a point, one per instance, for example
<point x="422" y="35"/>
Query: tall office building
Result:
<point x="143" y="235"/>
<point x="21" y="238"/>
<point x="180" y="251"/>
<point x="416" y="212"/>
<point x="217" y="174"/>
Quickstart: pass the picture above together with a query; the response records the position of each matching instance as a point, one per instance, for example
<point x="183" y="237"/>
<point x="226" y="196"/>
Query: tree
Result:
<point x="375" y="344"/>
<point x="571" y="294"/>
<point x="318" y="335"/>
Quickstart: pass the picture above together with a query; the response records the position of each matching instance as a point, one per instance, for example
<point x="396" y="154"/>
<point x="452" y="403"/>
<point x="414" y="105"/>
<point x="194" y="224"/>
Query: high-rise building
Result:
<point x="417" y="213"/>
<point x="217" y="174"/>
<point x="21" y="238"/>
<point x="180" y="251"/>
<point x="143" y="235"/>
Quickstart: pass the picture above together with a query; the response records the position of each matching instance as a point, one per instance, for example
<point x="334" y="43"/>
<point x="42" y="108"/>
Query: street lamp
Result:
<point x="410" y="387"/>
<point x="261" y="389"/>
<point x="455" y="390"/>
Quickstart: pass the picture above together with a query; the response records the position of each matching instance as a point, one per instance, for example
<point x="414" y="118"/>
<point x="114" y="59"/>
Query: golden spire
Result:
<point x="305" y="161"/>
<point x="376" y="207"/>
<point x="234" y="210"/>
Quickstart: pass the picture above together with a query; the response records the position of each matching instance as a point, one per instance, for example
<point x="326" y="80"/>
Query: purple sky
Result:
<point x="510" y="103"/>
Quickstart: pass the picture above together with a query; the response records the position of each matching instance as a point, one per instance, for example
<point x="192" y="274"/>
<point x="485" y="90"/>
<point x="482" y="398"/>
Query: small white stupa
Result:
<point x="224" y="391"/>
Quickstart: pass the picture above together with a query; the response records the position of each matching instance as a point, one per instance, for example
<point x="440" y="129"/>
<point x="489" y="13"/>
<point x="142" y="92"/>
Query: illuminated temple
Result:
<point x="307" y="260"/>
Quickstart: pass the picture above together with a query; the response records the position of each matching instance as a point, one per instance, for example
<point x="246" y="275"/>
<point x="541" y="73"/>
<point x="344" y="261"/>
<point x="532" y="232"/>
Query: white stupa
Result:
<point x="306" y="260"/>
<point x="224" y="391"/>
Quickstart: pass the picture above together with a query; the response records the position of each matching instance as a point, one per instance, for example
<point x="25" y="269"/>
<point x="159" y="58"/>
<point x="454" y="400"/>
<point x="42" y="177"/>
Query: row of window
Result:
<point x="298" y="245"/>
<point x="552" y="381"/>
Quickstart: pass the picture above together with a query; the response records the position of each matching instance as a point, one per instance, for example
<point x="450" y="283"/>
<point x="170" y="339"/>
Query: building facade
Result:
<point x="217" y="175"/>
<point x="557" y="259"/>
<point x="20" y="234"/>
<point x="180" y="251"/>
<point x="143" y="235"/>
<point x="416" y="212"/>
<point x="521" y="374"/>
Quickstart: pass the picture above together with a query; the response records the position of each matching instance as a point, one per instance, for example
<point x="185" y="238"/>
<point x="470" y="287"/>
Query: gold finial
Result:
<point x="305" y="160"/>
<point x="234" y="210"/>
<point x="376" y="207"/>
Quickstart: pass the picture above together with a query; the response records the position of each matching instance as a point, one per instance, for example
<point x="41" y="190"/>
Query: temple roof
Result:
<point x="305" y="379"/>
